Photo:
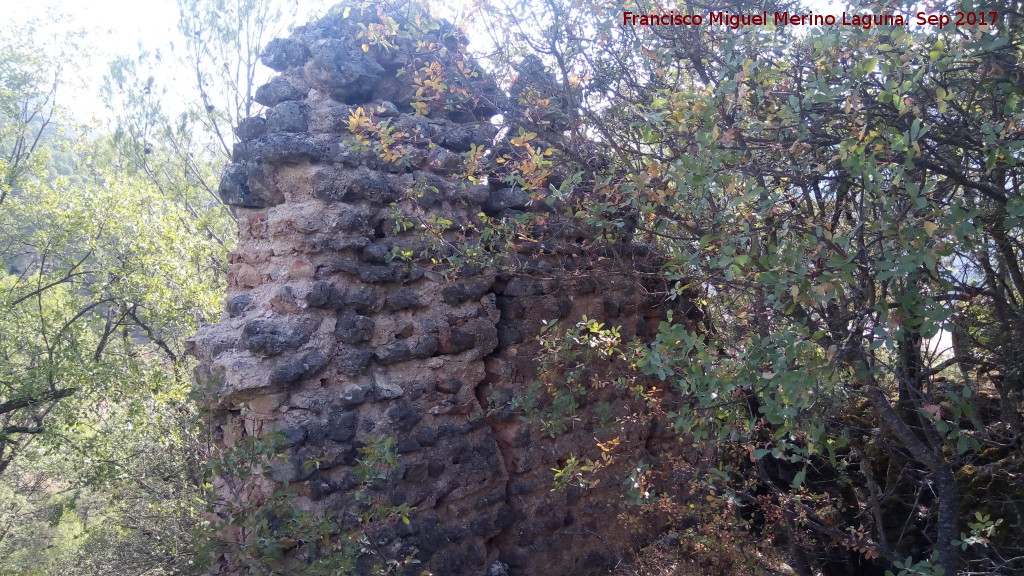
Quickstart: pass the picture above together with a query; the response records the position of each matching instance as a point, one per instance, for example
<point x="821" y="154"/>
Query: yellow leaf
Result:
<point x="366" y="48"/>
<point x="522" y="139"/>
<point x="930" y="227"/>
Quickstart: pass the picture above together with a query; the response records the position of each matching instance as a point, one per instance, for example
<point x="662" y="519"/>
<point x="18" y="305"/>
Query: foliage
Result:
<point x="841" y="196"/>
<point x="565" y="379"/>
<point x="117" y="494"/>
<point x="104" y="286"/>
<point x="254" y="526"/>
<point x="111" y="257"/>
<point x="26" y="113"/>
<point x="222" y="42"/>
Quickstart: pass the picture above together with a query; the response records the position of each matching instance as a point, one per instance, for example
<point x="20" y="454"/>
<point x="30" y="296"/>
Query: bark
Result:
<point x="946" y="491"/>
<point x="50" y="396"/>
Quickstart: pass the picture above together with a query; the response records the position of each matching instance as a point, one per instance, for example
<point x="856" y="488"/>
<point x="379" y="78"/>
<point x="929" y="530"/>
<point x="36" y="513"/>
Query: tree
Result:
<point x="104" y="276"/>
<point x="26" y="112"/>
<point x="115" y="239"/>
<point x="223" y="42"/>
<point x="841" y="196"/>
<point x="28" y="390"/>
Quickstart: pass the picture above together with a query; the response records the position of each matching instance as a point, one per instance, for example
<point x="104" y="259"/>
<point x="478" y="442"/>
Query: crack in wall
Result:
<point x="483" y="393"/>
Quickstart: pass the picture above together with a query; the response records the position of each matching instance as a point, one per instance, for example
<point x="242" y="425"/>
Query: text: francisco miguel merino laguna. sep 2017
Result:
<point x="860" y="20"/>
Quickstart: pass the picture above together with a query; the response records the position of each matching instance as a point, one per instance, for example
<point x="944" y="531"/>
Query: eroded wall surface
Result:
<point x="332" y="343"/>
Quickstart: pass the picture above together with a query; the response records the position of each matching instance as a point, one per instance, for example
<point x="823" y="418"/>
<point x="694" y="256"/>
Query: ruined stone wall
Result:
<point x="332" y="342"/>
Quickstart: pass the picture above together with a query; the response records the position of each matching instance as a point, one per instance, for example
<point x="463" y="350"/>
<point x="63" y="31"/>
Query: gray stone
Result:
<point x="286" y="117"/>
<point x="246" y="185"/>
<point x="505" y="198"/>
<point x="325" y="295"/>
<point x="455" y="295"/>
<point x="371" y="273"/>
<point x="442" y="161"/>
<point x="488" y="500"/>
<point x="521" y="486"/>
<point x="460" y="138"/>
<point x="426" y="347"/>
<point x="298" y="368"/>
<point x="449" y="385"/>
<point x="404" y="298"/>
<point x="283" y="53"/>
<point x="341" y="426"/>
<point x="386" y="109"/>
<point x="362" y="300"/>
<point x="329" y="117"/>
<point x="435" y="468"/>
<point x="505" y="516"/>
<point x="238" y="304"/>
<point x="403" y="415"/>
<point x="425" y="189"/>
<point x="520" y="286"/>
<point x="343" y="243"/>
<point x="341" y="150"/>
<point x="269" y="337"/>
<point x="406" y="445"/>
<point x="459" y="341"/>
<point x="378" y="252"/>
<point x="279" y="90"/>
<point x="352" y="360"/>
<point x="251" y="128"/>
<point x="396" y="351"/>
<point x="284" y="148"/>
<point x="460" y="293"/>
<point x="428" y="436"/>
<point x="292" y="436"/>
<point x="352" y="328"/>
<point x="346" y="73"/>
<point x="417" y="473"/>
<point x="386" y="390"/>
<point x="353" y="220"/>
<point x="355" y="185"/>
<point x="279" y="148"/>
<point x="320" y="489"/>
<point x="508" y="334"/>
<point x="417" y="127"/>
<point x="353" y="395"/>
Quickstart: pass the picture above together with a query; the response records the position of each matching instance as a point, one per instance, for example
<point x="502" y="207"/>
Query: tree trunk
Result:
<point x="947" y="493"/>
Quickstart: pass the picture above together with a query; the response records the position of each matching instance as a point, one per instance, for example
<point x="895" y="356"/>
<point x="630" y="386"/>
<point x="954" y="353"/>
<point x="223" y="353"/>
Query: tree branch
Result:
<point x="49" y="396"/>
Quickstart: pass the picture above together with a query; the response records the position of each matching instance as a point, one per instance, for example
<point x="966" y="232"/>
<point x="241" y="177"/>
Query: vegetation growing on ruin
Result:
<point x="843" y="204"/>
